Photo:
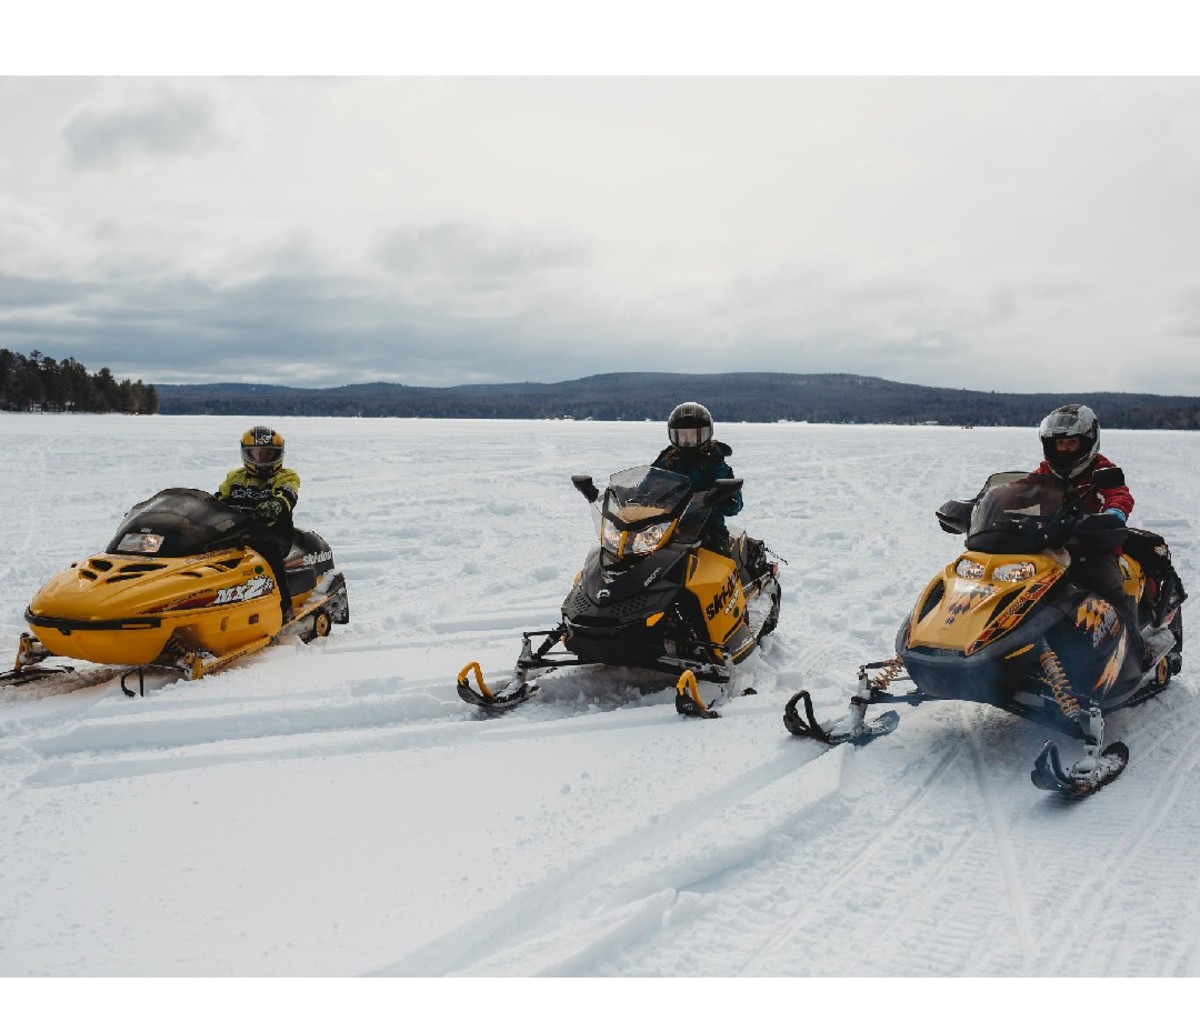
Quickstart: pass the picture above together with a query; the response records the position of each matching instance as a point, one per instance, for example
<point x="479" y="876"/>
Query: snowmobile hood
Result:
<point x="175" y="569"/>
<point x="979" y="598"/>
<point x="105" y="586"/>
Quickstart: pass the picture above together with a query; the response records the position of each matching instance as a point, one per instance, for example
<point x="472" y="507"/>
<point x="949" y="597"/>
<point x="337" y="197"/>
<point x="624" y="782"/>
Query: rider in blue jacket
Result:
<point x="694" y="453"/>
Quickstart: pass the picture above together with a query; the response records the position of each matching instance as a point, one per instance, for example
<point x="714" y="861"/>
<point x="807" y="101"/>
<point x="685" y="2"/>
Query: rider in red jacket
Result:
<point x="1071" y="445"/>
<point x="1116" y="498"/>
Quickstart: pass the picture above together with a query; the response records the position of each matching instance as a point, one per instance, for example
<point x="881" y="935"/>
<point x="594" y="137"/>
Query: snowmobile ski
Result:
<point x="23" y="676"/>
<point x="852" y="729"/>
<point x="687" y="698"/>
<point x="484" y="697"/>
<point x="1084" y="778"/>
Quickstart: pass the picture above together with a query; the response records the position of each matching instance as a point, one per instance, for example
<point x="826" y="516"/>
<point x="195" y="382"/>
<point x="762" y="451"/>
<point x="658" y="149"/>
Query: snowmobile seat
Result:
<point x="1165" y="588"/>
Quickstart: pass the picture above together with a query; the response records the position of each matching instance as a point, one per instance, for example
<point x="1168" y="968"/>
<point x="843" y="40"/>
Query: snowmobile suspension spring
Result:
<point x="891" y="671"/>
<point x="1058" y="683"/>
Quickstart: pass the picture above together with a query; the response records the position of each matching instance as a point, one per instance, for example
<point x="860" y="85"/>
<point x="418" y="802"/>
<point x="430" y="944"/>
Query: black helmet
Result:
<point x="262" y="451"/>
<point x="1070" y="421"/>
<point x="689" y="425"/>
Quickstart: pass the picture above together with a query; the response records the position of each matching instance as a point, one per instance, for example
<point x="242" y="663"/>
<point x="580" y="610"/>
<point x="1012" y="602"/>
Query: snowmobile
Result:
<point x="179" y="588"/>
<point x="1003" y="625"/>
<point x="652" y="595"/>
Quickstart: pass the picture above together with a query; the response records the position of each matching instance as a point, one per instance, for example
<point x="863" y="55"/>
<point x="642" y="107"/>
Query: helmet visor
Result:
<point x="1063" y="424"/>
<point x="690" y="436"/>
<point x="263" y="455"/>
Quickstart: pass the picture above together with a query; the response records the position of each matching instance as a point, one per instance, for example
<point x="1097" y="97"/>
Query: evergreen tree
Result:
<point x="38" y="382"/>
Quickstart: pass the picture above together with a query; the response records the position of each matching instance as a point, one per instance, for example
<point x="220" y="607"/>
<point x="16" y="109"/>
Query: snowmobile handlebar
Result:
<point x="1090" y="528"/>
<point x="955" y="515"/>
<point x="721" y="491"/>
<point x="1100" y="530"/>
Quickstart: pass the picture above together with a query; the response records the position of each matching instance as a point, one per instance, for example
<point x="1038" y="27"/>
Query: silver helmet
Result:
<point x="1065" y="422"/>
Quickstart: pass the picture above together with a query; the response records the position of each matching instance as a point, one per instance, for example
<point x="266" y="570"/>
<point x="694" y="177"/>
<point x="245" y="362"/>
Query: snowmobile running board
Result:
<point x="851" y="729"/>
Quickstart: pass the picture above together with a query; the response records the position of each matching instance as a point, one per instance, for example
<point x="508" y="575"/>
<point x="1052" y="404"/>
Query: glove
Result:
<point x="1118" y="513"/>
<point x="269" y="510"/>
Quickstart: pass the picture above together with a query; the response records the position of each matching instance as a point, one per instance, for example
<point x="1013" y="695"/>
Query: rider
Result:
<point x="694" y="453"/>
<point x="1071" y="444"/>
<point x="267" y="492"/>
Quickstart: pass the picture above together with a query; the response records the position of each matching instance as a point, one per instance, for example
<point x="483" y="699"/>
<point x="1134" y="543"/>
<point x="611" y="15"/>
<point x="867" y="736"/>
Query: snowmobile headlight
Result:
<point x="967" y="568"/>
<point x="649" y="540"/>
<point x="1018" y="571"/>
<point x="139" y="543"/>
<point x="610" y="536"/>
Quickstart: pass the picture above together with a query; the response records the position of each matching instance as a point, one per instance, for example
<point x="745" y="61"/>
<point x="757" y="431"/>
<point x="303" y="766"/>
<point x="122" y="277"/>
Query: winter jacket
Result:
<point x="271" y="501"/>
<point x="1116" y="497"/>
<point x="703" y="468"/>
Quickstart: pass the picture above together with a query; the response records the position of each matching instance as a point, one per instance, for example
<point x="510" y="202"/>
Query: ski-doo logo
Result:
<point x="1098" y="618"/>
<point x="727" y="593"/>
<point x="318" y="558"/>
<point x="251" y="590"/>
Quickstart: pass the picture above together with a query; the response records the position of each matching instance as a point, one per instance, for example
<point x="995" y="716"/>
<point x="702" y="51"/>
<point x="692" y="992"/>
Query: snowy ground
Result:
<point x="335" y="810"/>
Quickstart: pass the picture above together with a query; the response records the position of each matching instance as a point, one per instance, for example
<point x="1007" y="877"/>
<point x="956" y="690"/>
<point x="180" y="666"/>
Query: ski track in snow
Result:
<point x="336" y="809"/>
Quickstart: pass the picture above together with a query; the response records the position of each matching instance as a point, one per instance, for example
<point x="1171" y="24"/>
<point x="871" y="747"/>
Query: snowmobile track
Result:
<point x="613" y="878"/>
<point x="1136" y="841"/>
<point x="818" y="907"/>
<point x="984" y="773"/>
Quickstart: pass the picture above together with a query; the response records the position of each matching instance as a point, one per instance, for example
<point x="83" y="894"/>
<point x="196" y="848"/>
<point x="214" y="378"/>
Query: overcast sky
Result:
<point x="992" y="233"/>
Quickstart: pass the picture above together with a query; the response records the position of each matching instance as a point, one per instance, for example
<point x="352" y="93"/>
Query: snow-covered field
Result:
<point x="335" y="810"/>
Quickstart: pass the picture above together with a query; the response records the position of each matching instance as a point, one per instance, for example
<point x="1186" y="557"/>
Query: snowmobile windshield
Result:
<point x="177" y="523"/>
<point x="640" y="508"/>
<point x="1016" y="515"/>
<point x="645" y="494"/>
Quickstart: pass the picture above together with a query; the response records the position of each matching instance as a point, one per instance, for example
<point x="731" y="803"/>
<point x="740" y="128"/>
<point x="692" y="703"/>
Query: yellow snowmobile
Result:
<point x="177" y="588"/>
<point x="651" y="595"/>
<point x="1001" y="624"/>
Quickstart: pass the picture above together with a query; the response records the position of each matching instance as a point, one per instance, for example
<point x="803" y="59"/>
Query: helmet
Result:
<point x="1070" y="421"/>
<point x="262" y="451"/>
<point x="689" y="425"/>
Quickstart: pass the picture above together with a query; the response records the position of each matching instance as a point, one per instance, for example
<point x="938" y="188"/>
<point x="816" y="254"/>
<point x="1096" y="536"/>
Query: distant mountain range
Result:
<point x="731" y="397"/>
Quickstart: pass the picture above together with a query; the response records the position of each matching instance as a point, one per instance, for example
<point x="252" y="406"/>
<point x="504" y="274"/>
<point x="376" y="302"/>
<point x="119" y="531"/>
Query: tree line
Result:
<point x="39" y="383"/>
<point x="732" y="397"/>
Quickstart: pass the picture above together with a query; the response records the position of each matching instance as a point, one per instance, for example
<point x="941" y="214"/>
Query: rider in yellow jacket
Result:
<point x="267" y="492"/>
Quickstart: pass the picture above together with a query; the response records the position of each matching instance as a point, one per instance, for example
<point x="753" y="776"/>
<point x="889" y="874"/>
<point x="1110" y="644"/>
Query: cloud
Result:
<point x="975" y="232"/>
<point x="169" y="123"/>
<point x="471" y="254"/>
<point x="27" y="293"/>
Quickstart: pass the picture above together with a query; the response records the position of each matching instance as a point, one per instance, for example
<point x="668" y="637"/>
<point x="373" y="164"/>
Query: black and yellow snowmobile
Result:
<point x="652" y="595"/>
<point x="177" y="588"/>
<point x="1003" y="625"/>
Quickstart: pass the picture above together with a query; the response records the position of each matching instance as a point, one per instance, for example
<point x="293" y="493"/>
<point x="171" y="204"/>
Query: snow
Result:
<point x="335" y="810"/>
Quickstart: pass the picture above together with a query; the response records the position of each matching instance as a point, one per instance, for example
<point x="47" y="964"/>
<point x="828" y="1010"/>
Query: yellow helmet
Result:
<point x="262" y="451"/>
